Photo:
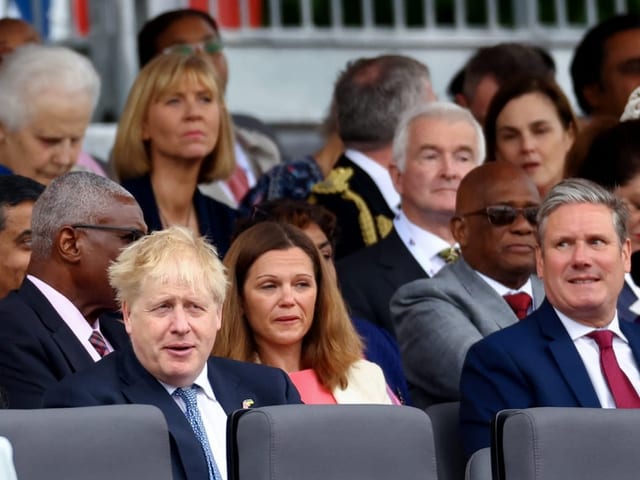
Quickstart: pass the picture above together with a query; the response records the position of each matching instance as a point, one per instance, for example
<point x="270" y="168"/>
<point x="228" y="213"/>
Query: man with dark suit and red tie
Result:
<point x="171" y="286"/>
<point x="55" y="323"/>
<point x="573" y="351"/>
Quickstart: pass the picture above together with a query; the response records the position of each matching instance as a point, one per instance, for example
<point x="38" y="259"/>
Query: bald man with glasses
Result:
<point x="61" y="320"/>
<point x="490" y="287"/>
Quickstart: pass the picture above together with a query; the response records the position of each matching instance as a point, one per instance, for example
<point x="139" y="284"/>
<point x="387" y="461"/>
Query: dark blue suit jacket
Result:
<point x="215" y="219"/>
<point x="119" y="378"/>
<point x="533" y="363"/>
<point x="38" y="349"/>
<point x="625" y="300"/>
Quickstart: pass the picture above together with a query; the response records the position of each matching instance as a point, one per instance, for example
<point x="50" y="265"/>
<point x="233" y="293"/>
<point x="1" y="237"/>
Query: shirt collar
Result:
<point x="202" y="381"/>
<point x="412" y="234"/>
<point x="577" y="329"/>
<point x="502" y="290"/>
<point x="380" y="176"/>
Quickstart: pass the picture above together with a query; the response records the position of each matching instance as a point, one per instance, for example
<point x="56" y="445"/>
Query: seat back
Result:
<point x="127" y="442"/>
<point x="445" y="422"/>
<point x="340" y="442"/>
<point x="479" y="465"/>
<point x="559" y="443"/>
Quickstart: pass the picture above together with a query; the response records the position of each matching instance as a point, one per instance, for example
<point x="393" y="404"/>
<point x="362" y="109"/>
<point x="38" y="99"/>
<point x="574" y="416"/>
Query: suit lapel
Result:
<point x="632" y="332"/>
<point x="77" y="357"/>
<point x="625" y="300"/>
<point x="538" y="291"/>
<point x="397" y="262"/>
<point x="476" y="287"/>
<point x="566" y="356"/>
<point x="141" y="387"/>
<point x="226" y="387"/>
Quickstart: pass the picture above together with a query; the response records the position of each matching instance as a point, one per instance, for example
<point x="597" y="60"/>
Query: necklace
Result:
<point x="166" y="224"/>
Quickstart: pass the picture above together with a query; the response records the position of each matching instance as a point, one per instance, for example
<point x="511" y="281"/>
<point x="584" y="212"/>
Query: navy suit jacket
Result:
<point x="533" y="363"/>
<point x="37" y="348"/>
<point x="216" y="220"/>
<point x="370" y="277"/>
<point x="119" y="378"/>
<point x="625" y="300"/>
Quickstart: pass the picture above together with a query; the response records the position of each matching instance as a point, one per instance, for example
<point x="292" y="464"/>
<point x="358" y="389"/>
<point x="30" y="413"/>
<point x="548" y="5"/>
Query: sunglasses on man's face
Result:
<point x="211" y="46"/>
<point x="501" y="215"/>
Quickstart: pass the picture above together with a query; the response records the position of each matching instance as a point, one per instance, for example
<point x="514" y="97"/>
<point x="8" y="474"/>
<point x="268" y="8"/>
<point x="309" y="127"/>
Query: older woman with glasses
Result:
<point x="174" y="133"/>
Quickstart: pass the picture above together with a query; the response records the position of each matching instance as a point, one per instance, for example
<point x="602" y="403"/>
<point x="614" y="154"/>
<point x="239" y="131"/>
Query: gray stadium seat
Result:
<point x="337" y="442"/>
<point x="124" y="442"/>
<point x="564" y="443"/>
<point x="445" y="422"/>
<point x="479" y="465"/>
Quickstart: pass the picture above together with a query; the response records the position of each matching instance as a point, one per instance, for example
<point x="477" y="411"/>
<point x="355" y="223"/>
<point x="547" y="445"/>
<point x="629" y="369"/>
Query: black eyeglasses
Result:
<point x="501" y="215"/>
<point x="130" y="234"/>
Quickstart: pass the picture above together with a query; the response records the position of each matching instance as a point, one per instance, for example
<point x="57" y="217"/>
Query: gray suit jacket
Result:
<point x="436" y="321"/>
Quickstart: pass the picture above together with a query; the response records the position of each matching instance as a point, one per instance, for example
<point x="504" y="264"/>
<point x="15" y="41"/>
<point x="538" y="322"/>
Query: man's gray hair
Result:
<point x="371" y="95"/>
<point x="76" y="197"/>
<point x="579" y="190"/>
<point x="443" y="111"/>
<point x="33" y="70"/>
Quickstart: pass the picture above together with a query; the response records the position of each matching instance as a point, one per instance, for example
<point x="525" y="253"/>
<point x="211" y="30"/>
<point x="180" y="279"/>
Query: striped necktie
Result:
<point x="97" y="340"/>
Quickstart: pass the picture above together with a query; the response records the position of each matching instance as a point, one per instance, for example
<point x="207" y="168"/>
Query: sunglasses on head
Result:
<point x="501" y="215"/>
<point x="208" y="46"/>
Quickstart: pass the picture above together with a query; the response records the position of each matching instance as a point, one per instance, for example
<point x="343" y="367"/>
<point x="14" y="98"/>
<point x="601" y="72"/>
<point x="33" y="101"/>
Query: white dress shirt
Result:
<point x="423" y="245"/>
<point x="380" y="176"/>
<point x="590" y="354"/>
<point x="213" y="416"/>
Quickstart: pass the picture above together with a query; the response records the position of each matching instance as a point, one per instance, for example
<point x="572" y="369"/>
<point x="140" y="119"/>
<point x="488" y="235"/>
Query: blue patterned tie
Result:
<point x="190" y="397"/>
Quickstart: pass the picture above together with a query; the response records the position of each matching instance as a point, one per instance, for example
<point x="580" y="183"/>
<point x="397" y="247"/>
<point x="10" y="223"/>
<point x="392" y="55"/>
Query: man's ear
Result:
<point x="126" y="316"/>
<point x="396" y="177"/>
<point x="459" y="231"/>
<point x="68" y="244"/>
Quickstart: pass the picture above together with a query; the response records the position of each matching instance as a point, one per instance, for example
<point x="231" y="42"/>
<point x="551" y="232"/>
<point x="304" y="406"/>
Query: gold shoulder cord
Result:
<point x="337" y="182"/>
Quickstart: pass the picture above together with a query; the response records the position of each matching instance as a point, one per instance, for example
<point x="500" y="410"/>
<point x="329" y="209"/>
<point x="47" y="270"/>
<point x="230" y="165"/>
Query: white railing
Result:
<point x="284" y="71"/>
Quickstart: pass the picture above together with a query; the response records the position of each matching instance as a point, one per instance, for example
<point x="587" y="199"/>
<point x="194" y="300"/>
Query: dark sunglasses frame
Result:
<point x="133" y="233"/>
<point x="502" y="215"/>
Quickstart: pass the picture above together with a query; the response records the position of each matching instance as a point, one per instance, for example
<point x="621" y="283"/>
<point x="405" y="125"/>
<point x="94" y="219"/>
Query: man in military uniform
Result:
<point x="370" y="95"/>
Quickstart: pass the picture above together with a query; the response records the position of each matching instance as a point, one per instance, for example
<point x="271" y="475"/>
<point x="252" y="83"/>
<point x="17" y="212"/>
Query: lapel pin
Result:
<point x="247" y="403"/>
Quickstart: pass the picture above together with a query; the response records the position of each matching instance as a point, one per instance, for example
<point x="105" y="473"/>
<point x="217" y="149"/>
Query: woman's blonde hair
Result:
<point x="330" y="346"/>
<point x="130" y="155"/>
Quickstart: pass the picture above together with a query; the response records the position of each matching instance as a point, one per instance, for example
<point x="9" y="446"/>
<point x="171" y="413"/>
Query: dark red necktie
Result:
<point x="621" y="388"/>
<point x="519" y="303"/>
<point x="98" y="343"/>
